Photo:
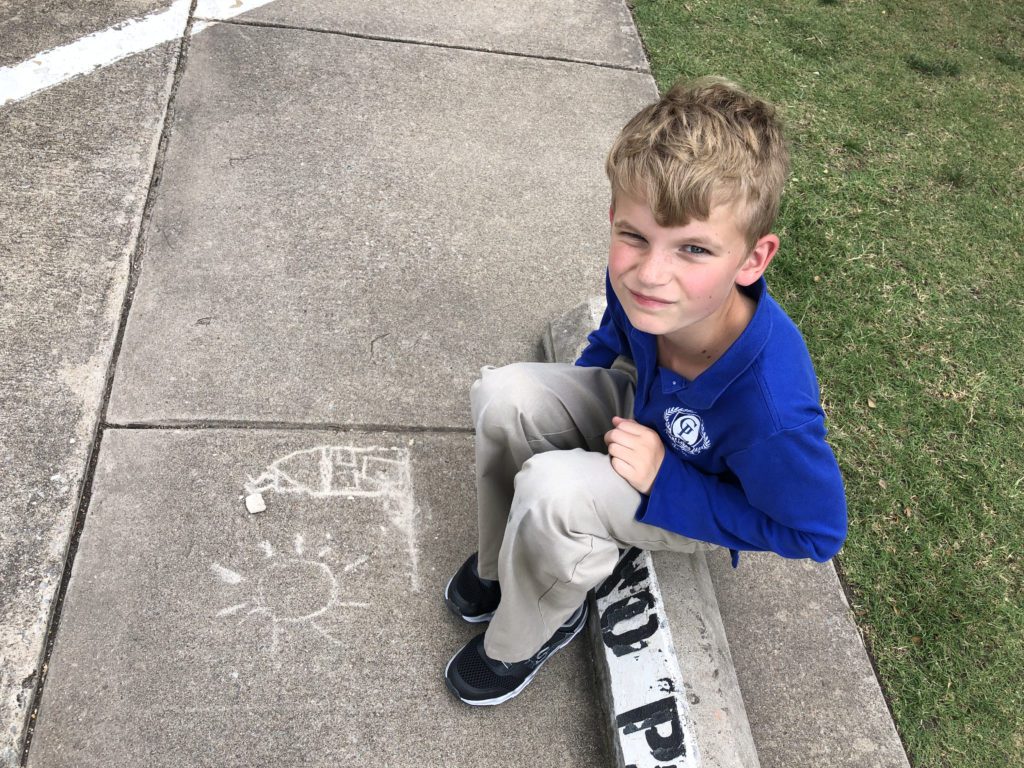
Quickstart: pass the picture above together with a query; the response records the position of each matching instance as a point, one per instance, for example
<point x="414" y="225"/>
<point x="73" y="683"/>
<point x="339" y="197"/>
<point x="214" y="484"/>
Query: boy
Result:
<point x="692" y="418"/>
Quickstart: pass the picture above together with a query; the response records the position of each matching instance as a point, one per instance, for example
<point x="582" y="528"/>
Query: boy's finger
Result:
<point x="619" y="436"/>
<point x="617" y="466"/>
<point x="622" y="468"/>
<point x="620" y="452"/>
<point x="631" y="427"/>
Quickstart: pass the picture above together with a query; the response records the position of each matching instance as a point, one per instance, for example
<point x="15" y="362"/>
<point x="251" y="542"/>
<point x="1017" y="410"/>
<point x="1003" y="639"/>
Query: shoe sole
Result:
<point x="455" y="609"/>
<point x="517" y="690"/>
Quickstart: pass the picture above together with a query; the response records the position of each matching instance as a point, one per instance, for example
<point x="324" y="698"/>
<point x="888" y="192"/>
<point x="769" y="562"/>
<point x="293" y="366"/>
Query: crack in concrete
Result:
<point x="430" y="44"/>
<point x="85" y="494"/>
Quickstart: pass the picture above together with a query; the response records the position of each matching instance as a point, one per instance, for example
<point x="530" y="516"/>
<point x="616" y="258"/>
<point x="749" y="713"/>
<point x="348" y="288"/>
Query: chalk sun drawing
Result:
<point x="348" y="472"/>
<point x="291" y="590"/>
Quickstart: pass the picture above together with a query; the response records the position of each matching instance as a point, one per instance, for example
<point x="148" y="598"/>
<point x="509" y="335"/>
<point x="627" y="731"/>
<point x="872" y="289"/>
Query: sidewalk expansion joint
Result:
<point x="85" y="492"/>
<point x="429" y="44"/>
<point x="292" y="426"/>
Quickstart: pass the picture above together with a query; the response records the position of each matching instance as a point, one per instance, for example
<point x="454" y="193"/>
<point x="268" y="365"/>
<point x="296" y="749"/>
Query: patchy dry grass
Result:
<point x="903" y="229"/>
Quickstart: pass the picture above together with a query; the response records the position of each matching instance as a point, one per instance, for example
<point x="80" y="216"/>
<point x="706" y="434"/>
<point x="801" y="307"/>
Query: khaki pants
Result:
<point x="552" y="511"/>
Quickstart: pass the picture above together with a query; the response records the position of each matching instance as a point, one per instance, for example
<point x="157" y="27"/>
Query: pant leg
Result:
<point x="570" y="515"/>
<point x="528" y="408"/>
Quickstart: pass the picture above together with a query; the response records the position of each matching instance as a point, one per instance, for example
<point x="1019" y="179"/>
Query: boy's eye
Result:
<point x="694" y="250"/>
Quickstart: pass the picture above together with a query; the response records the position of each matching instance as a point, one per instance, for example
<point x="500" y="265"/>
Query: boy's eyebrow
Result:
<point x="692" y="240"/>
<point x="698" y="240"/>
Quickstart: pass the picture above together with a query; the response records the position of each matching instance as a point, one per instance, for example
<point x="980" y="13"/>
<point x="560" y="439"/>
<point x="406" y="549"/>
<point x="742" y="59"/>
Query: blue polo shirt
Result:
<point x="746" y="462"/>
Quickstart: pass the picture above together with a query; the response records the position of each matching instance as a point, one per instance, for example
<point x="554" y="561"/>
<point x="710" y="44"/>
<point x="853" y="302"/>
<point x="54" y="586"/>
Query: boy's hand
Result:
<point x="636" y="452"/>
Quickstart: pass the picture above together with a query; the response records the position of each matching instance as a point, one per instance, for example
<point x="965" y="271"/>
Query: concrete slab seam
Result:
<point x="158" y="150"/>
<point x="293" y="426"/>
<point x="424" y="43"/>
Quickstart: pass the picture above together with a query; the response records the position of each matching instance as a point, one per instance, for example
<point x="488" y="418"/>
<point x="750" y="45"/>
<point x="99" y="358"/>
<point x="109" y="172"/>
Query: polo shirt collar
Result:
<point x="704" y="391"/>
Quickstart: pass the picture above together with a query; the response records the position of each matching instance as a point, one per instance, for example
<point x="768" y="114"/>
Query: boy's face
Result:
<point x="681" y="282"/>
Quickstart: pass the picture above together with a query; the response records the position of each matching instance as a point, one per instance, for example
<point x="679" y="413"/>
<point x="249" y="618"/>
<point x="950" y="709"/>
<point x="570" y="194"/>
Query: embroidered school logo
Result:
<point x="686" y="431"/>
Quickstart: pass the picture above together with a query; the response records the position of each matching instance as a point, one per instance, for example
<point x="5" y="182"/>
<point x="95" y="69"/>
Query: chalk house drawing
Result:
<point x="296" y="588"/>
<point x="350" y="472"/>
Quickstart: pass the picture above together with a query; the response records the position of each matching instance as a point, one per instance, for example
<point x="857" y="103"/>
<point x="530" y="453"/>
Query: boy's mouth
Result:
<point x="648" y="301"/>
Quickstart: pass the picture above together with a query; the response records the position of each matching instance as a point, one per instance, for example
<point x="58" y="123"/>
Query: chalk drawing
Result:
<point x="356" y="564"/>
<point x="226" y="575"/>
<point x="344" y="471"/>
<point x="289" y="590"/>
<point x="296" y="590"/>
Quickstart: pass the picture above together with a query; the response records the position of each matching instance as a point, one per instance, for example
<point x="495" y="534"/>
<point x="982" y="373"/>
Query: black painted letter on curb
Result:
<point x="648" y="718"/>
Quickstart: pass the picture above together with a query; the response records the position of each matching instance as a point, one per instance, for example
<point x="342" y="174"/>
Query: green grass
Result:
<point x="902" y="231"/>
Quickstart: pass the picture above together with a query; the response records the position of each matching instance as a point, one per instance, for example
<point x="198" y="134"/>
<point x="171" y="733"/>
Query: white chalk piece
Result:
<point x="254" y="503"/>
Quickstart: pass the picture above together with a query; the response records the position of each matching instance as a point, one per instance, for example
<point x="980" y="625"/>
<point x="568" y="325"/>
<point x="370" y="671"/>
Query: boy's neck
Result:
<point x="696" y="349"/>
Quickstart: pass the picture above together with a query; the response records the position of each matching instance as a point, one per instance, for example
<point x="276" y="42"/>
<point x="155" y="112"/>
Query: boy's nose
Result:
<point x="652" y="270"/>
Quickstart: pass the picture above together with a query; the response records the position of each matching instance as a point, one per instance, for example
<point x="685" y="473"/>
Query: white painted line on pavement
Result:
<point x="89" y="53"/>
<point x="221" y="10"/>
<point x="101" y="49"/>
<point x="209" y="12"/>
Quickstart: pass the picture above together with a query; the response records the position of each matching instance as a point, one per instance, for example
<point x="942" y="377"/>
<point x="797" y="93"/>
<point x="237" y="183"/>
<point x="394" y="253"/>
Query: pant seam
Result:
<point x="545" y="435"/>
<point x="558" y="581"/>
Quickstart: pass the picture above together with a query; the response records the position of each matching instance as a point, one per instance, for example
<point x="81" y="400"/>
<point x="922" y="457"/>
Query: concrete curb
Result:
<point x="656" y="715"/>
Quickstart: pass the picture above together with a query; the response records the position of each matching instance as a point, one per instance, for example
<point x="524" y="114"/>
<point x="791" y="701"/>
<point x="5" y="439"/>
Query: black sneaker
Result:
<point x="477" y="679"/>
<point x="469" y="597"/>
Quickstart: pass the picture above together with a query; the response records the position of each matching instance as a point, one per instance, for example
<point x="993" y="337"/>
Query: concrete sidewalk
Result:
<point x="273" y="256"/>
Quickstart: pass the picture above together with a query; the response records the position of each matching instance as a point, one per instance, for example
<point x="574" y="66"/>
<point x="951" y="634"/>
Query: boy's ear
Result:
<point x="611" y="213"/>
<point x="757" y="261"/>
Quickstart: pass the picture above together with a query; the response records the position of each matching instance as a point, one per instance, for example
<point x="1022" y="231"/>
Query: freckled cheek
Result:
<point x="619" y="262"/>
<point x="700" y="288"/>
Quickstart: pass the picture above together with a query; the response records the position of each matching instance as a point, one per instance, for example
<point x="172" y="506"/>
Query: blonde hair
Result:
<point x="704" y="143"/>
